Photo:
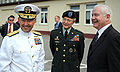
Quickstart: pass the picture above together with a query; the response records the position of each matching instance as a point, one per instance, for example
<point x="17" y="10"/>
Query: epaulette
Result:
<point x="13" y="33"/>
<point x="36" y="33"/>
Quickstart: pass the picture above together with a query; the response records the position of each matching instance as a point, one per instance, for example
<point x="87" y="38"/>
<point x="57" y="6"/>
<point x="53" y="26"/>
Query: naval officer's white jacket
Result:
<point x="22" y="52"/>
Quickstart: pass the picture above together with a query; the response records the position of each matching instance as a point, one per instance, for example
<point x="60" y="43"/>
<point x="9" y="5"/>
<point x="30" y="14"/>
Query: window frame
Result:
<point x="43" y="12"/>
<point x="76" y="10"/>
<point x="90" y="14"/>
<point x="90" y="17"/>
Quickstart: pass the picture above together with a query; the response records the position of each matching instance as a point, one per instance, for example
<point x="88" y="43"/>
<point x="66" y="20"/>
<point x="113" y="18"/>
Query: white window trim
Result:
<point x="44" y="17"/>
<point x="90" y="16"/>
<point x="79" y="16"/>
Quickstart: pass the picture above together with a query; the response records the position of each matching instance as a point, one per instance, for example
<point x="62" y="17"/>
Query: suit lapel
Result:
<point x="100" y="41"/>
<point x="6" y="28"/>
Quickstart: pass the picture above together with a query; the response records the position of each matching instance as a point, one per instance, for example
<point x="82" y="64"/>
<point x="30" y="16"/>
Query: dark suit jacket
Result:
<point x="67" y="53"/>
<point x="60" y="25"/>
<point x="104" y="56"/>
<point x="4" y="30"/>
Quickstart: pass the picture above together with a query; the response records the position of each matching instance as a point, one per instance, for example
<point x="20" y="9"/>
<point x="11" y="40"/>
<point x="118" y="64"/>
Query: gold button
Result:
<point x="64" y="50"/>
<point x="64" y="55"/>
<point x="74" y="45"/>
<point x="32" y="56"/>
<point x="56" y="49"/>
<point x="72" y="33"/>
<point x="63" y="60"/>
<point x="31" y="46"/>
<point x="64" y="44"/>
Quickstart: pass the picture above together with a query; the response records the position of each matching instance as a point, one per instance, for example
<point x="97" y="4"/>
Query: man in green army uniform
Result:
<point x="67" y="45"/>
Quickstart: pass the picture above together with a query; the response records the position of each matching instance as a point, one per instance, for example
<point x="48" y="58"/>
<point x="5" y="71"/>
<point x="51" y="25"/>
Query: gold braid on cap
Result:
<point x="27" y="16"/>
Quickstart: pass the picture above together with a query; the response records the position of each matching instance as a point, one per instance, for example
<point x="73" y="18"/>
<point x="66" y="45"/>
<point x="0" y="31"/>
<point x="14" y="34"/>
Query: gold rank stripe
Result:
<point x="36" y="33"/>
<point x="13" y="33"/>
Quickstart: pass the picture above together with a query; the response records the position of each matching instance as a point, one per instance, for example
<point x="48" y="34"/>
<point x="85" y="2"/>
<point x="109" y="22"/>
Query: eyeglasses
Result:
<point x="64" y="19"/>
<point x="11" y="20"/>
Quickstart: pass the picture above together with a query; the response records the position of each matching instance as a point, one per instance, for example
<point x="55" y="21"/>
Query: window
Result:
<point x="44" y="12"/>
<point x="76" y="8"/>
<point x="89" y="8"/>
<point x="13" y="1"/>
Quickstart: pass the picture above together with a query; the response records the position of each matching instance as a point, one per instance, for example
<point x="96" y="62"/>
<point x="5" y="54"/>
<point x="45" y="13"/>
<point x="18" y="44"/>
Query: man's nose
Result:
<point x="26" y="22"/>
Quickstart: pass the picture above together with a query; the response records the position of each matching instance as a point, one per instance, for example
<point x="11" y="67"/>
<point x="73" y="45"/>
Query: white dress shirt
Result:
<point x="103" y="29"/>
<point x="11" y="27"/>
<point x="22" y="53"/>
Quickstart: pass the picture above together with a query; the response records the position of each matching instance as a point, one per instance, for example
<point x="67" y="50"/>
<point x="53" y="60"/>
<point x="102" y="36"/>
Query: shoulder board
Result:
<point x="13" y="33"/>
<point x="36" y="33"/>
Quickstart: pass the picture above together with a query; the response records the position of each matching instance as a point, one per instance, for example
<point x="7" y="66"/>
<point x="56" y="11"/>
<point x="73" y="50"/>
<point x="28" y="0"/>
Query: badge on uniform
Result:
<point x="57" y="39"/>
<point x="37" y="41"/>
<point x="70" y="50"/>
<point x="75" y="38"/>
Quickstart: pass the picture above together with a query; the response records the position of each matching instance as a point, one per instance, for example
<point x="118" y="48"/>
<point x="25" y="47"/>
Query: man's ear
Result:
<point x="34" y="20"/>
<point x="108" y="16"/>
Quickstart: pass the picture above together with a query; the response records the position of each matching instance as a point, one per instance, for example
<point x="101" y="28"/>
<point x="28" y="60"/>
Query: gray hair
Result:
<point x="105" y="10"/>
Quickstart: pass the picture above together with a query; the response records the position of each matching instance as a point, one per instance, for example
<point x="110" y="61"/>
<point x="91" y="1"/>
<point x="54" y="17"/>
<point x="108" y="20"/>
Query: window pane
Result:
<point x="45" y="17"/>
<point x="77" y="19"/>
<point x="42" y="17"/>
<point x="87" y="17"/>
<point x="90" y="6"/>
<point x="44" y="9"/>
<point x="75" y="7"/>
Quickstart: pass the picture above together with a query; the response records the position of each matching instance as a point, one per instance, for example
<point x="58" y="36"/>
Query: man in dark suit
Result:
<point x="9" y="27"/>
<point x="58" y="23"/>
<point x="104" y="51"/>
<point x="67" y="45"/>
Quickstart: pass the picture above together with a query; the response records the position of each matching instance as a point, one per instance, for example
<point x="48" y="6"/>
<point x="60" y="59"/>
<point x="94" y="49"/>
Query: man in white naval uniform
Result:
<point x="22" y="50"/>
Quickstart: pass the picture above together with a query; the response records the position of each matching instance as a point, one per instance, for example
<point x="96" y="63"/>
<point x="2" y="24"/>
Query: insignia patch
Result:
<point x="75" y="38"/>
<point x="70" y="14"/>
<point x="57" y="38"/>
<point x="56" y="41"/>
<point x="37" y="41"/>
<point x="27" y="9"/>
<point x="70" y="50"/>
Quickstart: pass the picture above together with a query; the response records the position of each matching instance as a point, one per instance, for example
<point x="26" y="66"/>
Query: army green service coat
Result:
<point x="67" y="53"/>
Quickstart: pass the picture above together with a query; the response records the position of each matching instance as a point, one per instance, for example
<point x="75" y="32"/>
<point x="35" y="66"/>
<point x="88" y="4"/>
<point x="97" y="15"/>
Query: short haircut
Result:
<point x="105" y="10"/>
<point x="57" y="16"/>
<point x="11" y="16"/>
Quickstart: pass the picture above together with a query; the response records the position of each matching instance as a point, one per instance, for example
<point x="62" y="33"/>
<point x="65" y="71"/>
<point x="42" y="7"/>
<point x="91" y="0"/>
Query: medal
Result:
<point x="70" y="50"/>
<point x="37" y="41"/>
